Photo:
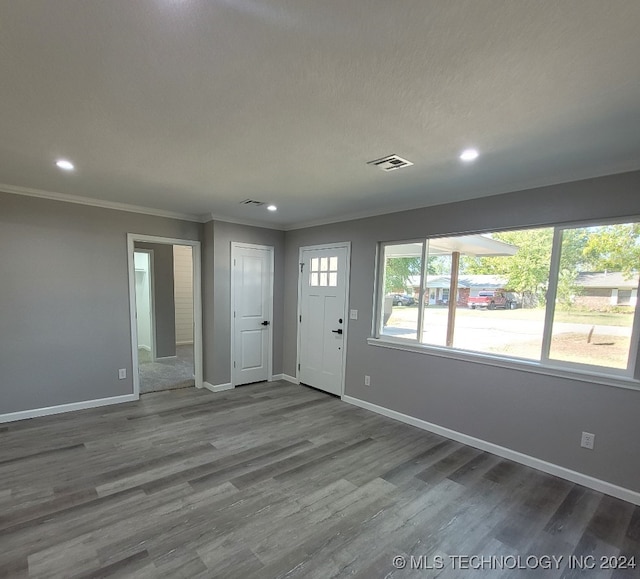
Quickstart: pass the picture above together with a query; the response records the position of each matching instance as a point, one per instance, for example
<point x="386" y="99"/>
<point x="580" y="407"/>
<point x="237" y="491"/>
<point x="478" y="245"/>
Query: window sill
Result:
<point x="509" y="363"/>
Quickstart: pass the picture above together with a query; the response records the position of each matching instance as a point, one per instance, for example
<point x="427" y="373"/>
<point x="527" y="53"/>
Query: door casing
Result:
<point x="235" y="246"/>
<point x="341" y="245"/>
<point x="197" y="302"/>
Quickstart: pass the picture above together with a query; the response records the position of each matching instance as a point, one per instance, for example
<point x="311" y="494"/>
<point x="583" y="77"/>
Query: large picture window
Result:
<point x="560" y="296"/>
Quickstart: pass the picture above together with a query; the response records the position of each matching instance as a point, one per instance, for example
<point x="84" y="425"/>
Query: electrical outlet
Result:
<point x="122" y="373"/>
<point x="367" y="380"/>
<point x="587" y="440"/>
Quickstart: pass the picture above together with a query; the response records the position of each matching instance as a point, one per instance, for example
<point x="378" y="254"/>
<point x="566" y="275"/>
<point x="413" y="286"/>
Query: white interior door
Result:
<point x="322" y="318"/>
<point x="252" y="303"/>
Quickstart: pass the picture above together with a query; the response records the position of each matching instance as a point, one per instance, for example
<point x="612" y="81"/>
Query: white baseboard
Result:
<point x="184" y="343"/>
<point x="143" y="347"/>
<point x="286" y="378"/>
<point x="48" y="410"/>
<point x="548" y="467"/>
<point x="218" y="387"/>
<point x="165" y="358"/>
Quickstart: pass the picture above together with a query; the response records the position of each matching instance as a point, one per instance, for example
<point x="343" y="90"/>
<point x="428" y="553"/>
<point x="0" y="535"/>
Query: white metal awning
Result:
<point x="473" y="245"/>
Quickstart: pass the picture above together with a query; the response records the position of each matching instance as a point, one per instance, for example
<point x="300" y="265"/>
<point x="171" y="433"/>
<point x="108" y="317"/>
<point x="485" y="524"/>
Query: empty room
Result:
<point x="319" y="289"/>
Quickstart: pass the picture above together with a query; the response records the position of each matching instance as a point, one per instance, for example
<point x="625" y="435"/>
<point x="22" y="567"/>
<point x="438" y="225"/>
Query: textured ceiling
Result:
<point x="192" y="106"/>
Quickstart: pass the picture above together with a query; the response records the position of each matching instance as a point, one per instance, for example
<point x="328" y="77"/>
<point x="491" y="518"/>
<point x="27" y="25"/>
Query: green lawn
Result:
<point x="595" y="318"/>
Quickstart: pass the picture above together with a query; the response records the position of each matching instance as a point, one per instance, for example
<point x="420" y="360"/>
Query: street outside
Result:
<point x="519" y="332"/>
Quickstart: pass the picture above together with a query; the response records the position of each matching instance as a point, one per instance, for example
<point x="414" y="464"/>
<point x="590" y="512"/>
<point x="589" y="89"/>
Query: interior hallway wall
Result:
<point x="163" y="297"/>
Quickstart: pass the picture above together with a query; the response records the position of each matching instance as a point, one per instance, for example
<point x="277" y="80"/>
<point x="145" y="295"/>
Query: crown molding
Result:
<point x="496" y="192"/>
<point x="79" y="200"/>
<point x="304" y="224"/>
<point x="117" y="206"/>
<point x="349" y="217"/>
<point x="248" y="222"/>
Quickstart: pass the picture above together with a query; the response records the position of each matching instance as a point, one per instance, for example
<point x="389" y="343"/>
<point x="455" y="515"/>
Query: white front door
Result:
<point x="322" y="321"/>
<point x="252" y="290"/>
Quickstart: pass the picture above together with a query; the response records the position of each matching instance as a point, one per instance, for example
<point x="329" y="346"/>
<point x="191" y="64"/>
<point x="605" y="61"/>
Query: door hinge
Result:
<point x="301" y="267"/>
<point x="234" y="314"/>
<point x="300" y="317"/>
<point x="298" y="367"/>
<point x="234" y="262"/>
<point x="234" y="364"/>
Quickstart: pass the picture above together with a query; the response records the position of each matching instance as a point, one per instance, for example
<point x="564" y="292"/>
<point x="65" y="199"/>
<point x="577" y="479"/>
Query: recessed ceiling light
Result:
<point x="65" y="165"/>
<point x="469" y="155"/>
<point x="272" y="208"/>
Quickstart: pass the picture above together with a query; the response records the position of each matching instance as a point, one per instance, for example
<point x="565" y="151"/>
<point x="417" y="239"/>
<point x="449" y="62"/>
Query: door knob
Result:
<point x="265" y="323"/>
<point x="337" y="331"/>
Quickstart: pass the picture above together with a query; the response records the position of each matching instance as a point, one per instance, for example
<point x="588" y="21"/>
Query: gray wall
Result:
<point x="217" y="294"/>
<point x="64" y="299"/>
<point x="163" y="299"/>
<point x="538" y="415"/>
<point x="208" y="341"/>
<point x="64" y="320"/>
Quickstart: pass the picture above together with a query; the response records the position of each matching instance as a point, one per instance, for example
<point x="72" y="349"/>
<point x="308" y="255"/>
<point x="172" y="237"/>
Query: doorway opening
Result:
<point x="165" y="313"/>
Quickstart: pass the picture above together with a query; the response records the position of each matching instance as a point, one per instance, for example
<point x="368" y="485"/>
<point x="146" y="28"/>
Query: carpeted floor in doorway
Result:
<point x="166" y="374"/>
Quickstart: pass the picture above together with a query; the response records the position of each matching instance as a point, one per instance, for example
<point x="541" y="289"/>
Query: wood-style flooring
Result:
<point x="277" y="480"/>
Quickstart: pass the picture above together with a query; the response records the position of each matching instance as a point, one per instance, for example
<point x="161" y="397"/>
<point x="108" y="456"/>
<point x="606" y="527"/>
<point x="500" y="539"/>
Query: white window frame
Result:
<point x="379" y="293"/>
<point x="629" y="377"/>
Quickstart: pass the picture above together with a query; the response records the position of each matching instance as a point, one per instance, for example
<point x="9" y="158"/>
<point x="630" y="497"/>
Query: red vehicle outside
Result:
<point x="490" y="299"/>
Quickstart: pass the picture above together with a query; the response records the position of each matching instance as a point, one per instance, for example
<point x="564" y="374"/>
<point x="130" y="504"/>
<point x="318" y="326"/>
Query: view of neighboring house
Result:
<point x="438" y="287"/>
<point x="613" y="288"/>
<point x="595" y="289"/>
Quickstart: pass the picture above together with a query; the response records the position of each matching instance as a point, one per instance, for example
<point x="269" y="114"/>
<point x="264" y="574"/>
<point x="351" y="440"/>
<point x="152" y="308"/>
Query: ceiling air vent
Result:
<point x="390" y="163"/>
<point x="252" y="203"/>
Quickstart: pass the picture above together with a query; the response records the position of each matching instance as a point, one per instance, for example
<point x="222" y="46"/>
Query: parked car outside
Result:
<point x="491" y="299"/>
<point x="402" y="300"/>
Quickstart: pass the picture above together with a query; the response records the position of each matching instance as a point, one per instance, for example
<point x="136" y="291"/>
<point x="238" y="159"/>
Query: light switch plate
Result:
<point x="353" y="315"/>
